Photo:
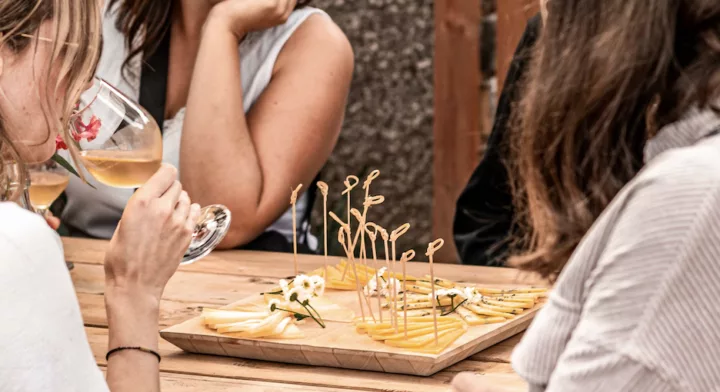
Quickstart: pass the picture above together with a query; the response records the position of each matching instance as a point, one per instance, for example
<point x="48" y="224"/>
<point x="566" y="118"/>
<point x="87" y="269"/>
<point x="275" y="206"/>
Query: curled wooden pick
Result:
<point x="370" y="178"/>
<point x="372" y="230"/>
<point x="357" y="214"/>
<point x="407" y="256"/>
<point x="374" y="200"/>
<point x="399" y="231"/>
<point x="338" y="220"/>
<point x="341" y="237"/>
<point x="349" y="185"/>
<point x="383" y="234"/>
<point x="323" y="188"/>
<point x="293" y="197"/>
<point x="434" y="246"/>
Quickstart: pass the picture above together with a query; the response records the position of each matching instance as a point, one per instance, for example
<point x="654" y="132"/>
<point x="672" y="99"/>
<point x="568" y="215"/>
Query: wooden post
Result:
<point x="457" y="130"/>
<point x="512" y="17"/>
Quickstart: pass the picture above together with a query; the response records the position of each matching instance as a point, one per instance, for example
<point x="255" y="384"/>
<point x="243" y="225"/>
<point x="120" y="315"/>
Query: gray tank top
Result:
<point x="98" y="211"/>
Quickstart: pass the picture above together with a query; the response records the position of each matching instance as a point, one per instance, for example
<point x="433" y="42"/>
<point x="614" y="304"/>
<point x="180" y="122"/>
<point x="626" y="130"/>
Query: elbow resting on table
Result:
<point x="239" y="234"/>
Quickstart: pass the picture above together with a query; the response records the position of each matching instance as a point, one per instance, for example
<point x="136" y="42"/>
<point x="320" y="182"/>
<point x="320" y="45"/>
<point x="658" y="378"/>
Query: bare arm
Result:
<point x="132" y="320"/>
<point x="250" y="162"/>
<point x="144" y="253"/>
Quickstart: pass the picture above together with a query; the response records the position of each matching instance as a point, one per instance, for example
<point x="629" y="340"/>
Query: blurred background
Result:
<point x="427" y="75"/>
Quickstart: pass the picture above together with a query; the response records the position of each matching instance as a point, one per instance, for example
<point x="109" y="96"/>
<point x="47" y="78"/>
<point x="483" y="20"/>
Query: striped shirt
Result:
<point x="637" y="307"/>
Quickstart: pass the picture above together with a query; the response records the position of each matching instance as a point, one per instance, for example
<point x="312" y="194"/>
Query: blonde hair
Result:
<point x="75" y="51"/>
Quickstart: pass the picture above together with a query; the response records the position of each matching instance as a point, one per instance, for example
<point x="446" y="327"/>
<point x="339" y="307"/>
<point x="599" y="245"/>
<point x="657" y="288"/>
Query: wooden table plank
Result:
<point x="269" y="265"/>
<point x="500" y="352"/>
<point x="188" y="383"/>
<point x="177" y="361"/>
<point x="192" y="287"/>
<point x="172" y="313"/>
<point x="174" y="382"/>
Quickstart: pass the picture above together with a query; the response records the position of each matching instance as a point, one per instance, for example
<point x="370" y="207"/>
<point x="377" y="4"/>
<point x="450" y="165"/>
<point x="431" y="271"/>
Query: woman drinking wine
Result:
<point x="48" y="51"/>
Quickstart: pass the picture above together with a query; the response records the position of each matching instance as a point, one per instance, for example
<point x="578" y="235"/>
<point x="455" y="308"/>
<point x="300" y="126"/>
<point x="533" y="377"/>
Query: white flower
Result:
<point x="318" y="285"/>
<point x="284" y="285"/>
<point x="303" y="282"/>
<point x="377" y="284"/>
<point x="392" y="282"/>
<point x="273" y="304"/>
<point x="381" y="271"/>
<point x="471" y="295"/>
<point x="371" y="287"/>
<point x="454" y="293"/>
<point x="301" y="294"/>
<point x="438" y="293"/>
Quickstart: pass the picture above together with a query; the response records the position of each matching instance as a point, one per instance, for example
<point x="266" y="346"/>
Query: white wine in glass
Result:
<point x="47" y="182"/>
<point x="116" y="169"/>
<point x="121" y="146"/>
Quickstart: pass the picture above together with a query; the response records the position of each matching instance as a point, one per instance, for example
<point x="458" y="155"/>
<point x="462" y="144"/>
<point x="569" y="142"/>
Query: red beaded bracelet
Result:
<point x="143" y="349"/>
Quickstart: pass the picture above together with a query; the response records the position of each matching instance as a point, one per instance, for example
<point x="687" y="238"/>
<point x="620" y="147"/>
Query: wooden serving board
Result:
<point x="340" y="346"/>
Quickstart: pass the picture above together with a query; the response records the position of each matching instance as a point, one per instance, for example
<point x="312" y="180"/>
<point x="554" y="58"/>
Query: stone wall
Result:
<point x="389" y="118"/>
<point x="388" y="125"/>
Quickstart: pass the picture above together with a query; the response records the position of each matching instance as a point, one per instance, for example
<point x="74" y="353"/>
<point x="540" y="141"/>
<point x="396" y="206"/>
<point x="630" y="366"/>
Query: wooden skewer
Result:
<point x="361" y="229"/>
<point x="353" y="242"/>
<point x="293" y="202"/>
<point x="372" y="234"/>
<point x="324" y="190"/>
<point x="361" y="233"/>
<point x="350" y="183"/>
<point x="371" y="177"/>
<point x="385" y="236"/>
<point x="407" y="256"/>
<point x="366" y="186"/>
<point x="393" y="238"/>
<point x="341" y="239"/>
<point x="362" y="219"/>
<point x="350" y="252"/>
<point x="369" y="201"/>
<point x="432" y="248"/>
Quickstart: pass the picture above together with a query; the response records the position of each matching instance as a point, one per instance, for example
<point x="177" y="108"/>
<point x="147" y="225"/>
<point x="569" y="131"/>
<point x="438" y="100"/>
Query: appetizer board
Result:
<point x="340" y="345"/>
<point x="427" y="326"/>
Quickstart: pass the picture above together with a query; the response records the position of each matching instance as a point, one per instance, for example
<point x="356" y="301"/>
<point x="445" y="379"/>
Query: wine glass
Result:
<point x="121" y="146"/>
<point x="48" y="180"/>
<point x="38" y="195"/>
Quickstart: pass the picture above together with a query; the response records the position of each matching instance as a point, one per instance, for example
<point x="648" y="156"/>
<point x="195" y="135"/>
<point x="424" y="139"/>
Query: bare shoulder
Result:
<point x="320" y="42"/>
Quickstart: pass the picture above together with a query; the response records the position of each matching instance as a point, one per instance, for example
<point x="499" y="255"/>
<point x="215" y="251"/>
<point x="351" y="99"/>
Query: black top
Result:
<point x="484" y="215"/>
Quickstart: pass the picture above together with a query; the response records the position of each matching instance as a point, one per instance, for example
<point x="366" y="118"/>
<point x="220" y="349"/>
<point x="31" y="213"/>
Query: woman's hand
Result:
<point x="152" y="236"/>
<point x="471" y="382"/>
<point x="52" y="220"/>
<point x="243" y="16"/>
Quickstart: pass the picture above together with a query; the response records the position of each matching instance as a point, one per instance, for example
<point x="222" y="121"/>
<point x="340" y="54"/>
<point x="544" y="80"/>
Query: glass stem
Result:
<point x="25" y="199"/>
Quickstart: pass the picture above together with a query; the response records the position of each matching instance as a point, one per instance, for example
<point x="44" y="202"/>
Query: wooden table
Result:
<point x="224" y="277"/>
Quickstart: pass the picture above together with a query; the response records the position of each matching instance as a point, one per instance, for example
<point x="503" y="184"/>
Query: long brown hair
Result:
<point x="144" y="23"/>
<point x="75" y="50"/>
<point x="606" y="75"/>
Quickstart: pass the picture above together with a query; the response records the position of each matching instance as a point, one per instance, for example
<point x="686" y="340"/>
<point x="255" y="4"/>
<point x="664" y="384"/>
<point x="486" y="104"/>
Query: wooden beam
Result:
<point x="457" y="129"/>
<point x="512" y="17"/>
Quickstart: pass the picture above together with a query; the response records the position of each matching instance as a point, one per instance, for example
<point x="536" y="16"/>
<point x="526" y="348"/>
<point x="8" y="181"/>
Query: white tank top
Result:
<point x="97" y="211"/>
<point x="36" y="293"/>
